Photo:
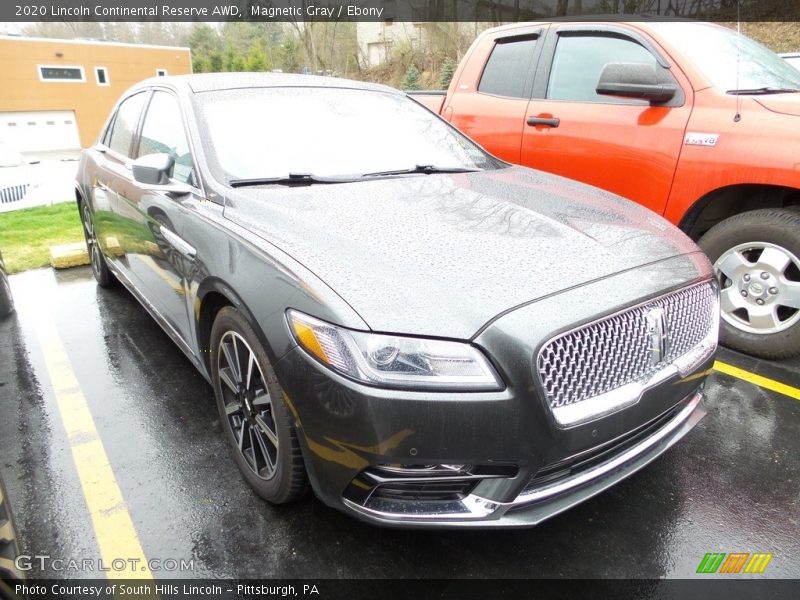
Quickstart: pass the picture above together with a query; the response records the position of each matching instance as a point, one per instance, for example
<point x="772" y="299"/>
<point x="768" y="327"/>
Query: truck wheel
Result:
<point x="756" y="257"/>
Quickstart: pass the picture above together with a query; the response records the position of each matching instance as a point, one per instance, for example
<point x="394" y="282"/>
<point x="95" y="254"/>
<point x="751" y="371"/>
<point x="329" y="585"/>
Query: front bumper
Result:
<point x="537" y="503"/>
<point x="518" y="469"/>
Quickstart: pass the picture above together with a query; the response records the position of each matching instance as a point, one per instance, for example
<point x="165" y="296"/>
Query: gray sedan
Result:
<point x="424" y="334"/>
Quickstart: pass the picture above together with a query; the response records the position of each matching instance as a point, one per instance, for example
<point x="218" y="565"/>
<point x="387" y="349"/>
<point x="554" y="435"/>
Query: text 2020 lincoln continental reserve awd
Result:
<point x="425" y="334"/>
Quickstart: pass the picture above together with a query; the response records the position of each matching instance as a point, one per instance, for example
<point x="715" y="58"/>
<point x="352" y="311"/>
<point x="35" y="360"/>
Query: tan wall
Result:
<point x="21" y="89"/>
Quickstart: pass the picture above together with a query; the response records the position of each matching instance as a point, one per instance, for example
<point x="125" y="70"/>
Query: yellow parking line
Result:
<point x="113" y="527"/>
<point x="764" y="382"/>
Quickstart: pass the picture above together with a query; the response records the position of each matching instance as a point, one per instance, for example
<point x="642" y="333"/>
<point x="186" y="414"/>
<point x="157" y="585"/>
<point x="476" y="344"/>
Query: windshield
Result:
<point x="714" y="50"/>
<point x="262" y="133"/>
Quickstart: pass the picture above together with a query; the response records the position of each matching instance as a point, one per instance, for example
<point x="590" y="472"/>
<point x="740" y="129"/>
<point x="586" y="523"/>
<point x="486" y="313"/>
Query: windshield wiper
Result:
<point x="290" y="179"/>
<point x="762" y="91"/>
<point x="424" y="169"/>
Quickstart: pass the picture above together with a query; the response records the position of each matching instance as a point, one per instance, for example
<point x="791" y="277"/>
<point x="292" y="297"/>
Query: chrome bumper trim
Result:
<point x="614" y="463"/>
<point x="474" y="509"/>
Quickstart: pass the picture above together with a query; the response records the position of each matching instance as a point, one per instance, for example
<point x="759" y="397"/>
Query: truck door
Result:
<point x="624" y="145"/>
<point x="492" y="111"/>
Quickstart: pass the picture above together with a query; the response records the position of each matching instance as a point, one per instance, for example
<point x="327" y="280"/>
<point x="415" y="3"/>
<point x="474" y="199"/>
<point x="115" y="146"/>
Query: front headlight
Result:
<point x="394" y="361"/>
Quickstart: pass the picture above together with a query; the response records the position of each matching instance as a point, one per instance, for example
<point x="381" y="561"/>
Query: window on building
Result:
<point x="125" y="123"/>
<point x="507" y="68"/>
<point x="101" y="74"/>
<point x="580" y="59"/>
<point x="162" y="133"/>
<point x="161" y="73"/>
<point x="61" y="73"/>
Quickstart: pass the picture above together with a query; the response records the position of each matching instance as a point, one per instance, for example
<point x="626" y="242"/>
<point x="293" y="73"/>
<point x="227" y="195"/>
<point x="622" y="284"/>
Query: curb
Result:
<point x="69" y="255"/>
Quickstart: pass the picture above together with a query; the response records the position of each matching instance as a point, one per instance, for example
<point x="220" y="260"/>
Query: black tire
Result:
<point x="9" y="548"/>
<point x="736" y="247"/>
<point x="6" y="300"/>
<point x="251" y="419"/>
<point x="103" y="275"/>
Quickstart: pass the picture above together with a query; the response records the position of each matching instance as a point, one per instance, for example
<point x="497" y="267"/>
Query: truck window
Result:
<point x="579" y="60"/>
<point x="507" y="68"/>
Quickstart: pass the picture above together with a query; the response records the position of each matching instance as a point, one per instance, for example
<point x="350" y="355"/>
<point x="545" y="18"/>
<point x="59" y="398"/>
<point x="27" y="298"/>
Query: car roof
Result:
<point x="208" y="82"/>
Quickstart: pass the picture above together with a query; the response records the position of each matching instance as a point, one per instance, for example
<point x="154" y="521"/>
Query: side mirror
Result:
<point x="155" y="171"/>
<point x="634" y="80"/>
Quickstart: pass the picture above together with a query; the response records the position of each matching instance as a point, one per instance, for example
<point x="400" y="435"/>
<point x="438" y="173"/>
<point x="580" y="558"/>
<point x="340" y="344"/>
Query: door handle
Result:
<point x="178" y="243"/>
<point x="549" y="121"/>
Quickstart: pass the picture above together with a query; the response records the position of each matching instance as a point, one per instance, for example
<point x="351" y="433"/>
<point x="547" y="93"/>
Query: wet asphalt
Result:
<point x="732" y="485"/>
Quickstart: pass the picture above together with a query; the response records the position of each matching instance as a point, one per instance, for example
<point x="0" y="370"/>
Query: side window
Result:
<point x="579" y="60"/>
<point x="162" y="133"/>
<point x="125" y="123"/>
<point x="507" y="68"/>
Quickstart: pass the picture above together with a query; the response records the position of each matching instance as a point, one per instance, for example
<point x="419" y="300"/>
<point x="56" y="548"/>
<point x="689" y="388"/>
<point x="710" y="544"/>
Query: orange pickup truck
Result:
<point x="690" y="119"/>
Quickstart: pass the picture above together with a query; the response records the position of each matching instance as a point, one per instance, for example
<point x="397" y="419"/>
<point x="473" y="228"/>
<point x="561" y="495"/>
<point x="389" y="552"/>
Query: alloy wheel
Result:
<point x="248" y="404"/>
<point x="760" y="287"/>
<point x="91" y="239"/>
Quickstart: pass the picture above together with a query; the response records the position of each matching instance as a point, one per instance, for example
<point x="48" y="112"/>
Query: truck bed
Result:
<point x="432" y="100"/>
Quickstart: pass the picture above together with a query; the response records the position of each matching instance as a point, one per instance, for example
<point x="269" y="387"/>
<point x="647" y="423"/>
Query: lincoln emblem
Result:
<point x="657" y="334"/>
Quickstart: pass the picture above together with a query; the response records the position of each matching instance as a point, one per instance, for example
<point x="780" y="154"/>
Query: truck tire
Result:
<point x="756" y="257"/>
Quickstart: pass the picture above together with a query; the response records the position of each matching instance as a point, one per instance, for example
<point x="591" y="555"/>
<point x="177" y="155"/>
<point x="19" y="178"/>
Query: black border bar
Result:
<point x="730" y="588"/>
<point x="421" y="11"/>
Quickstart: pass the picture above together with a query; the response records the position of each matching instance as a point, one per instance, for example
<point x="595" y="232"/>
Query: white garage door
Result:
<point x="40" y="131"/>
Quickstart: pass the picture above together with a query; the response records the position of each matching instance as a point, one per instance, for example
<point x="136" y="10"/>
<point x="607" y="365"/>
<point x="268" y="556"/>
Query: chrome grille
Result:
<point x="615" y="351"/>
<point x="15" y="193"/>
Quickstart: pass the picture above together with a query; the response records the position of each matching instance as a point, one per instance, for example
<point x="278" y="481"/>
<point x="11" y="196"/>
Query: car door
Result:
<point x="112" y="174"/>
<point x="493" y="113"/>
<point x="159" y="258"/>
<point x="624" y="145"/>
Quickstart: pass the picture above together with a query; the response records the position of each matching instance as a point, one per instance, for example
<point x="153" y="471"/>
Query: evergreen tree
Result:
<point x="233" y="60"/>
<point x="290" y="55"/>
<point x="412" y="78"/>
<point x="448" y="69"/>
<point x="256" y="59"/>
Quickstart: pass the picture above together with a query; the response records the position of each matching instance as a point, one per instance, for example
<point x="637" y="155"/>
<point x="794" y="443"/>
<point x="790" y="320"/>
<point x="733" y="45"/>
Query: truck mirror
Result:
<point x="634" y="80"/>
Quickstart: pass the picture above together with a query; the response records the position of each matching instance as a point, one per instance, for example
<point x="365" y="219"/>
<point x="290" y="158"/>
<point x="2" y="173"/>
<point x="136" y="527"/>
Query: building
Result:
<point x="376" y="39"/>
<point x="413" y="22"/>
<point x="56" y="94"/>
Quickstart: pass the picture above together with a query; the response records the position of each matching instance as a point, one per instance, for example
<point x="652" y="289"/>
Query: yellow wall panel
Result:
<point x="127" y="64"/>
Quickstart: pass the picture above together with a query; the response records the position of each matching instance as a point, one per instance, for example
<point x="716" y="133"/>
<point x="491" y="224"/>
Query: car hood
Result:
<point x="784" y="104"/>
<point x="442" y="255"/>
